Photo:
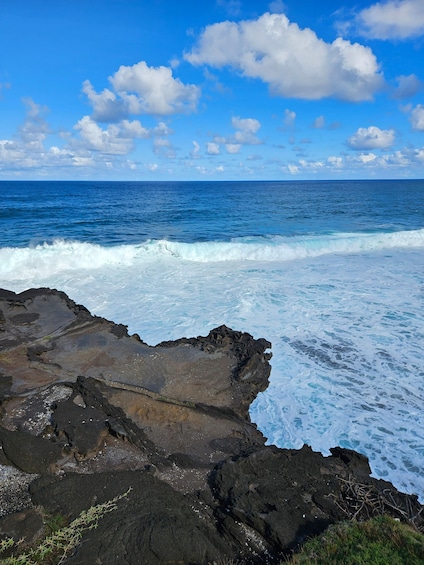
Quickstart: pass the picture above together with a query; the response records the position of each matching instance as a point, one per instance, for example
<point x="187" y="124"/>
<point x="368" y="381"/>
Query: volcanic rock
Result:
<point x="89" y="412"/>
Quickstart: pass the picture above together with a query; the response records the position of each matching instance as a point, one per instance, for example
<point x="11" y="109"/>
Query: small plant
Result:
<point x="379" y="541"/>
<point x="62" y="540"/>
<point x="54" y="522"/>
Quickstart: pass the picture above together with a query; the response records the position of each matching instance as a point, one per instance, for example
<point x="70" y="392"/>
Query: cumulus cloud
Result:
<point x="106" y="106"/>
<point x="116" y="139"/>
<point x="10" y="152"/>
<point x="140" y="89"/>
<point x="407" y="159"/>
<point x="246" y="129"/>
<point x="367" y="157"/>
<point x="293" y="169"/>
<point x="27" y="150"/>
<point x="163" y="147"/>
<point x="233" y="147"/>
<point x="372" y="138"/>
<point x="417" y="118"/>
<point x="212" y="148"/>
<point x="313" y="166"/>
<point x="153" y="90"/>
<point x="34" y="130"/>
<point x="89" y="145"/>
<point x="336" y="162"/>
<point x="407" y="86"/>
<point x="393" y="19"/>
<point x="294" y="62"/>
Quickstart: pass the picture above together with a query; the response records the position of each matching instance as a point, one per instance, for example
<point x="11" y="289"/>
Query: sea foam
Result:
<point x="41" y="260"/>
<point x="344" y="314"/>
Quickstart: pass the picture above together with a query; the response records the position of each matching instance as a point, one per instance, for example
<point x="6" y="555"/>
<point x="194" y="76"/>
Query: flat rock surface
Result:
<point x="89" y="412"/>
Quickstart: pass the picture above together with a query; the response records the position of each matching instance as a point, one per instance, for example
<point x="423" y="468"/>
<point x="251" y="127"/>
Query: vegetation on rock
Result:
<point x="379" y="541"/>
<point x="61" y="541"/>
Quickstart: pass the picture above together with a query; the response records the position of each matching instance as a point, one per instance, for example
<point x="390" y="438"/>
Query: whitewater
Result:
<point x="332" y="274"/>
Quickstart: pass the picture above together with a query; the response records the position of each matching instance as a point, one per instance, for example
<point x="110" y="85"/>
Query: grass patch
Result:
<point x="61" y="539"/>
<point x="379" y="541"/>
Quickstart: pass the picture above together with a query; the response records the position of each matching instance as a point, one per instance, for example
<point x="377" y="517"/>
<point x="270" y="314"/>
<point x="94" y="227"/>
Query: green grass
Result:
<point x="379" y="541"/>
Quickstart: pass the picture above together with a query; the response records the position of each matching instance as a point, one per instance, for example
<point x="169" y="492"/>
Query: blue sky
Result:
<point x="226" y="89"/>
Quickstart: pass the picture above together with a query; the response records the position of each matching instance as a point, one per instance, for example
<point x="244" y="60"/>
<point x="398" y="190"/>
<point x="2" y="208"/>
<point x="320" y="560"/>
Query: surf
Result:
<point x="47" y="259"/>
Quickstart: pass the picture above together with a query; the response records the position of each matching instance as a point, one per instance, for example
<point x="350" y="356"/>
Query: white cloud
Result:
<point x="163" y="147"/>
<point x="419" y="154"/>
<point x="194" y="153"/>
<point x="407" y="86"/>
<point x="367" y="157"/>
<point x="153" y="90"/>
<point x="247" y="127"/>
<point x="311" y="165"/>
<point x="417" y="118"/>
<point x="289" y="118"/>
<point x="336" y="162"/>
<point x="26" y="150"/>
<point x="162" y="129"/>
<point x="212" y="148"/>
<point x="319" y="122"/>
<point x="372" y="138"/>
<point x="10" y="152"/>
<point x="293" y="169"/>
<point x="34" y="129"/>
<point x="116" y="139"/>
<point x="233" y="147"/>
<point x="245" y="135"/>
<point x="408" y="159"/>
<point x="106" y="106"/>
<point x="294" y="62"/>
<point x="89" y="145"/>
<point x="393" y="19"/>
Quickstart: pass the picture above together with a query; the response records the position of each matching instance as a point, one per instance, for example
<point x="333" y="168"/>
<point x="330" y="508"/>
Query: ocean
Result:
<point x="332" y="273"/>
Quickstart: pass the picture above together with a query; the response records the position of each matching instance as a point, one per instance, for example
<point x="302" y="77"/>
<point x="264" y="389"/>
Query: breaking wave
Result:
<point x="46" y="259"/>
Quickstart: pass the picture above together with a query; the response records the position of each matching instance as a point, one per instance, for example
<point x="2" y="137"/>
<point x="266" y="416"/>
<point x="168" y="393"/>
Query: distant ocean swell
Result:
<point x="19" y="263"/>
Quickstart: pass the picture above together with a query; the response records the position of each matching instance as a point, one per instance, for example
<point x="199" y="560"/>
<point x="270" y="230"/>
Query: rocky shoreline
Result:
<point x="89" y="412"/>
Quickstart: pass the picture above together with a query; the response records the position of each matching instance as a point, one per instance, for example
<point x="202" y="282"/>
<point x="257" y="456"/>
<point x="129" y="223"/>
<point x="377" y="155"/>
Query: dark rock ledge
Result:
<point x="88" y="411"/>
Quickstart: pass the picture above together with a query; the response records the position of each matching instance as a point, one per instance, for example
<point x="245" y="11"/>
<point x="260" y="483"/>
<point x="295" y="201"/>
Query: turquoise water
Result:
<point x="332" y="273"/>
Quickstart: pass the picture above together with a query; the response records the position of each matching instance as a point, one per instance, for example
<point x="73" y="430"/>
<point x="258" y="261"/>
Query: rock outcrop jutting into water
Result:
<point x="88" y="412"/>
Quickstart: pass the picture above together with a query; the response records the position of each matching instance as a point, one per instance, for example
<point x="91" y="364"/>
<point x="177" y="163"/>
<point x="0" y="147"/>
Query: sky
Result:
<point x="217" y="90"/>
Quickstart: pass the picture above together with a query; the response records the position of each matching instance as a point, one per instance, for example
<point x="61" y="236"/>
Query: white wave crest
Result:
<point x="278" y="248"/>
<point x="50" y="259"/>
<point x="63" y="256"/>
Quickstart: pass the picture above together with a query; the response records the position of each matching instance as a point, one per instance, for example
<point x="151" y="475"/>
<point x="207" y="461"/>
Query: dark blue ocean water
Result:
<point x="130" y="212"/>
<point x="332" y="273"/>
